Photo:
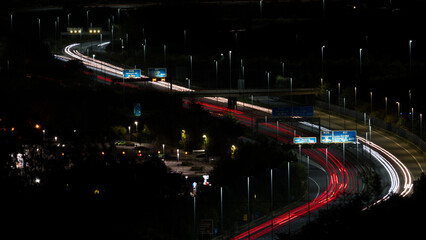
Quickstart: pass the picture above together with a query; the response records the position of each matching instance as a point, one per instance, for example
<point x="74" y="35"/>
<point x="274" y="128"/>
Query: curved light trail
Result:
<point x="340" y="176"/>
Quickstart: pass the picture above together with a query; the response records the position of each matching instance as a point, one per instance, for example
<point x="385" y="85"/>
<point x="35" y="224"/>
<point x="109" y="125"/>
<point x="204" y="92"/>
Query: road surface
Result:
<point x="400" y="160"/>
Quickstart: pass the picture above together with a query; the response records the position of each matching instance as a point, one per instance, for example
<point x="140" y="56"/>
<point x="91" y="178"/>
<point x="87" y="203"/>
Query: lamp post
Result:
<point x="338" y="93"/>
<point x="248" y="200"/>
<point x="322" y="60"/>
<point x="216" y="68"/>
<point x="221" y="209"/>
<point x="87" y="18"/>
<point x="410" y="42"/>
<point x="329" y="108"/>
<point x="230" y="73"/>
<point x="355" y="97"/>
<point x="189" y="83"/>
<point x="272" y="203"/>
<point x="164" y="49"/>
<point x="386" y="105"/>
<point x="190" y="66"/>
<point x="399" y="108"/>
<point x="267" y="78"/>
<point x="39" y="34"/>
<point x="184" y="41"/>
<point x="163" y="150"/>
<point x="360" y="61"/>
<point x="11" y="22"/>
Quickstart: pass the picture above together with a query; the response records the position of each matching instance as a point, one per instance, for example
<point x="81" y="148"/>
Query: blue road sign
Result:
<point x="305" y="140"/>
<point x="295" y="111"/>
<point x="338" y="136"/>
<point x="157" y="72"/>
<point x="137" y="109"/>
<point x="132" y="73"/>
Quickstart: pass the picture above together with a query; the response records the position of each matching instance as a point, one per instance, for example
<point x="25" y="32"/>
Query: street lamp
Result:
<point x="329" y="108"/>
<point x="230" y="73"/>
<point x="267" y="78"/>
<point x="386" y="105"/>
<point x="355" y="98"/>
<point x="87" y="18"/>
<point x="399" y="107"/>
<point x="164" y="49"/>
<point x="360" y="61"/>
<point x="322" y="60"/>
<point x="338" y="93"/>
<point x="190" y="66"/>
<point x="39" y="35"/>
<point x="216" y="68"/>
<point x="409" y="52"/>
<point x="163" y="150"/>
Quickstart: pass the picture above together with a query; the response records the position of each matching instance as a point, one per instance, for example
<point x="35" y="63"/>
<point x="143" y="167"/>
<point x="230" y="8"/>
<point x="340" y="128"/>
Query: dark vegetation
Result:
<point x="85" y="193"/>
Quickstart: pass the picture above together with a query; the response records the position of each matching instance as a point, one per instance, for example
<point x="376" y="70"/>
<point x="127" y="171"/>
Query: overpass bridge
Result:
<point x="232" y="94"/>
<point x="229" y="93"/>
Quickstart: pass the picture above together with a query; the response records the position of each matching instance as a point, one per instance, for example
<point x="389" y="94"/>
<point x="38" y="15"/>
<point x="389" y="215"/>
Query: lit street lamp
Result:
<point x="409" y="52"/>
<point x="360" y="61"/>
<point x="230" y="73"/>
<point x="322" y="60"/>
<point x="399" y="108"/>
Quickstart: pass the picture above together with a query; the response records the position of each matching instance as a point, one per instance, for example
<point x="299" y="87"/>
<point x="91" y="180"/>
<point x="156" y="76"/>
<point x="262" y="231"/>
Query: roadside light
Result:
<point x="123" y="153"/>
<point x="63" y="154"/>
<point x="103" y="153"/>
<point x="37" y="126"/>
<point x="233" y="150"/>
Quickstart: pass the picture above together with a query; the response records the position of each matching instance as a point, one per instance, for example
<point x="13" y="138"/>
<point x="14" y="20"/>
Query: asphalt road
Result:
<point x="410" y="155"/>
<point x="385" y="141"/>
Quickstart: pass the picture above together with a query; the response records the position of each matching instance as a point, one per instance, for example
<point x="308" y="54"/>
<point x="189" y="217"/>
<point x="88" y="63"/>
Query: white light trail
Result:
<point x="378" y="151"/>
